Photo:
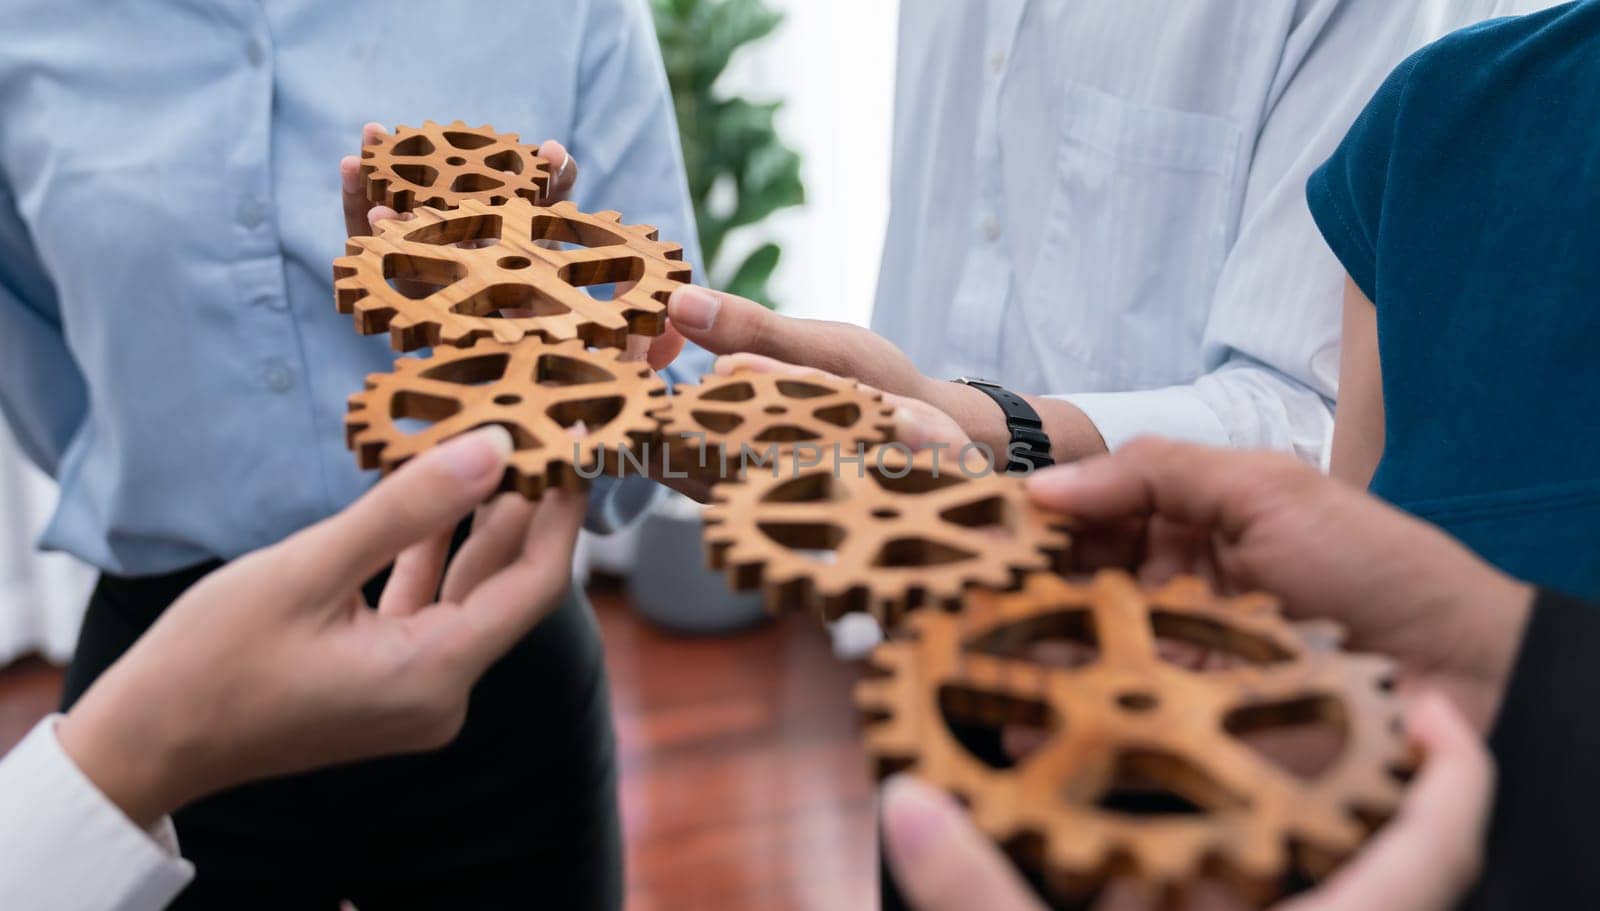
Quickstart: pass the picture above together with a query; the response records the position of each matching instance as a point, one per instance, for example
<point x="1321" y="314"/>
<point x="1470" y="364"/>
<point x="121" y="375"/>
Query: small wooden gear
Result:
<point x="885" y="532"/>
<point x="1127" y="725"/>
<point x="717" y="423"/>
<point x="485" y="271"/>
<point x="444" y="166"/>
<point x="538" y="392"/>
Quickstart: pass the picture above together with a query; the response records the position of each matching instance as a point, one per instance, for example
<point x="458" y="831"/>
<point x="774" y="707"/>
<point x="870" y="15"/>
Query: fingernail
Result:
<point x="350" y="177"/>
<point x="694" y="308"/>
<point x="915" y="816"/>
<point x="478" y="453"/>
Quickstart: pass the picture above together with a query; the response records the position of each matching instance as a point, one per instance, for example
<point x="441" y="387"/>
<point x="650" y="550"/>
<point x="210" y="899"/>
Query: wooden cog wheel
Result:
<point x="445" y="166"/>
<point x="887" y="533"/>
<point x="1146" y="767"/>
<point x="755" y="415"/>
<point x="482" y="271"/>
<point x="538" y="392"/>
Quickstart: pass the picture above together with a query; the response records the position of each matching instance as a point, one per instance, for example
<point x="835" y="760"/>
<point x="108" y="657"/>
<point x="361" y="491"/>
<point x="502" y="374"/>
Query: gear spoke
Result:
<point x="1143" y="775"/>
<point x="616" y="411"/>
<point x="473" y="284"/>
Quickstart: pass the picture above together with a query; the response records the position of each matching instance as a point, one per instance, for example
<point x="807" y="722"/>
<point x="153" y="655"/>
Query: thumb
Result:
<point x="426" y="496"/>
<point x="728" y="324"/>
<point x="939" y="860"/>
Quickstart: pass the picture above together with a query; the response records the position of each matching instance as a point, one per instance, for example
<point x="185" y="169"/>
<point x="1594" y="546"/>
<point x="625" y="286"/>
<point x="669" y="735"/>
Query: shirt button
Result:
<point x="992" y="228"/>
<point x="255" y="53"/>
<point x="251" y="214"/>
<point x="279" y="379"/>
<point x="997" y="63"/>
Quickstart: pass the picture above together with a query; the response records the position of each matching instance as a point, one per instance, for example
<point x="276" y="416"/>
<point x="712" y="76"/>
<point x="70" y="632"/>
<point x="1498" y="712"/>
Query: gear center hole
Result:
<point x="514" y="262"/>
<point x="508" y="400"/>
<point x="1138" y="701"/>
<point x="776" y="409"/>
<point x="886" y="513"/>
<point x="455" y="161"/>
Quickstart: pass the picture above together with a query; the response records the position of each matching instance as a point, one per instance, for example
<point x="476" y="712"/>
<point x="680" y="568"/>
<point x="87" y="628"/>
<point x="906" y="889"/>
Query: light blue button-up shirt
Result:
<point x="1106" y="202"/>
<point x="169" y="209"/>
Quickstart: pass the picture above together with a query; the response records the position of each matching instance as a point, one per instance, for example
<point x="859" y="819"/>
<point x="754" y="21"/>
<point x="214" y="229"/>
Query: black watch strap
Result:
<point x="1030" y="446"/>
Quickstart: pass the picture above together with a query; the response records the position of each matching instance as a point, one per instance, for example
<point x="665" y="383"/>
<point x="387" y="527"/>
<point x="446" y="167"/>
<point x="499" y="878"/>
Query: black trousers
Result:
<point x="519" y="812"/>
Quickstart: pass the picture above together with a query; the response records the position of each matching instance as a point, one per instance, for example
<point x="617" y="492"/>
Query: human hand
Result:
<point x="274" y="664"/>
<point x="1423" y="860"/>
<point x="1257" y="521"/>
<point x="362" y="217"/>
<point x="917" y="424"/>
<point x="728" y="324"/>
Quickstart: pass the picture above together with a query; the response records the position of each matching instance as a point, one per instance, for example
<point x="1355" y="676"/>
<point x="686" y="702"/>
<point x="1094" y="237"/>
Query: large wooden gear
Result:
<point x="442" y="167"/>
<point x="508" y="272"/>
<point x="1128" y="718"/>
<point x="538" y="392"/>
<point x="885" y="533"/>
<point x="722" y="421"/>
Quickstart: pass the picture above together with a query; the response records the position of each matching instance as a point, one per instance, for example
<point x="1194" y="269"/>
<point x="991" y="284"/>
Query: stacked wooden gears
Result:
<point x="816" y="506"/>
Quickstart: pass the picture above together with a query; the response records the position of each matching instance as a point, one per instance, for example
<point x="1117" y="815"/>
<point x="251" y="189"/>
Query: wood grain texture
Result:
<point x="444" y="166"/>
<point x="538" y="392"/>
<point x="885" y="534"/>
<point x="1123" y="723"/>
<point x="744" y="785"/>
<point x="508" y="272"/>
<point x="716" y="423"/>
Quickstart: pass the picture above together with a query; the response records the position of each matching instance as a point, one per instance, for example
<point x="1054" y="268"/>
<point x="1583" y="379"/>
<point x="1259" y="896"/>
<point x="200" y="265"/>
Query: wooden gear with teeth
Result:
<point x="499" y="271"/>
<point x="536" y="391"/>
<point x="444" y="166"/>
<point x="886" y="534"/>
<point x="1128" y="724"/>
<point x="716" y="422"/>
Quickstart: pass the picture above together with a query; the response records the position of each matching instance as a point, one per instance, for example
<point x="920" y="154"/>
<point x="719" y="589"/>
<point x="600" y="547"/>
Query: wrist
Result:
<point x="1507" y="606"/>
<point x="978" y="416"/>
<point x="134" y="759"/>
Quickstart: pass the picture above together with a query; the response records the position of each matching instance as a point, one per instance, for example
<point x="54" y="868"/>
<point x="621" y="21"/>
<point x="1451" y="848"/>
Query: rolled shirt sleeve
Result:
<point x="63" y="844"/>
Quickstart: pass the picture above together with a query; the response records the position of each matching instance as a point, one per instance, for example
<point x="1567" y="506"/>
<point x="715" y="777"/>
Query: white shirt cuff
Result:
<point x="1176" y="412"/>
<point x="64" y="844"/>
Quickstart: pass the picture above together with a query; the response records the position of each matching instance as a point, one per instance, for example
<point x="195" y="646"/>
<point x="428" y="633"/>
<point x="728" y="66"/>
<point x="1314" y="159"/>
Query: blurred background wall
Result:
<point x="831" y="62"/>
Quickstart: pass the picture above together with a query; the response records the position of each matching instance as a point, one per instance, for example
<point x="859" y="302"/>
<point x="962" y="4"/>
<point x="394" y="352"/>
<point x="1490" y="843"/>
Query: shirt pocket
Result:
<point x="1134" y="237"/>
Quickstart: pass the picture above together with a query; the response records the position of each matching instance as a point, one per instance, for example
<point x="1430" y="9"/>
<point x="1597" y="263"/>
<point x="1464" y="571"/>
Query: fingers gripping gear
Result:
<point x="886" y="533"/>
<point x="538" y="392"/>
<point x="445" y="166"/>
<point x="508" y="272"/>
<point x="1130" y="719"/>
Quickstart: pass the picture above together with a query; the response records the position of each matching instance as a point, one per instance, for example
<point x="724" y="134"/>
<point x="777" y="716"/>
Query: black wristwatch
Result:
<point x="1030" y="446"/>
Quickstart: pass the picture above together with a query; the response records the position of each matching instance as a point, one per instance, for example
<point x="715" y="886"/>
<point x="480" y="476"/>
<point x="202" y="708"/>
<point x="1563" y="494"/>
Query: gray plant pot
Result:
<point x="672" y="586"/>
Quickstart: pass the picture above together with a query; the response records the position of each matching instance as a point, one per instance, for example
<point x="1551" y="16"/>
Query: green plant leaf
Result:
<point x="728" y="143"/>
<point x="751" y="278"/>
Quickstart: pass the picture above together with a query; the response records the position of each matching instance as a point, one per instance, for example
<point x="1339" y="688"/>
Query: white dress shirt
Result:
<point x="1105" y="202"/>
<point x="65" y="847"/>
